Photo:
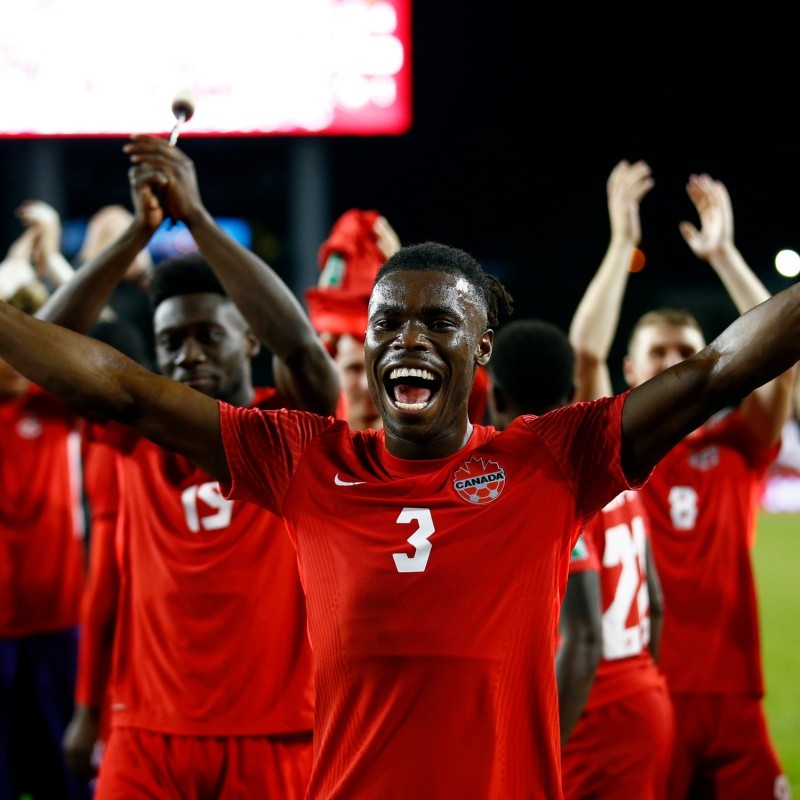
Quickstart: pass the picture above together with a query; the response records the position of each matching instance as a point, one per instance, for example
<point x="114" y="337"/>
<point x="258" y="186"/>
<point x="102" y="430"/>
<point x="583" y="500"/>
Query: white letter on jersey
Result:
<point x="419" y="540"/>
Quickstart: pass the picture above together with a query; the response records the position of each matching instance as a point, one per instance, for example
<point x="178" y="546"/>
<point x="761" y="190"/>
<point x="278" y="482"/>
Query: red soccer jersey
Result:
<point x="434" y="589"/>
<point x="614" y="545"/>
<point x="702" y="501"/>
<point x="211" y="635"/>
<point x="41" y="515"/>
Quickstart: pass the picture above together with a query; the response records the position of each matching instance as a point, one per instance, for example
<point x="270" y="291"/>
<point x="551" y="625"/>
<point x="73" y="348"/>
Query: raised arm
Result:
<point x="48" y="259"/>
<point x="755" y="348"/>
<point x="303" y="369"/>
<point x="17" y="268"/>
<point x="769" y="406"/>
<point x="96" y="379"/>
<point x="595" y="321"/>
<point x="77" y="305"/>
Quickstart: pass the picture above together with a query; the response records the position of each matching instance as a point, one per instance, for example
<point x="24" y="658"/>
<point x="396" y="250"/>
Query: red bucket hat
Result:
<point x="349" y="260"/>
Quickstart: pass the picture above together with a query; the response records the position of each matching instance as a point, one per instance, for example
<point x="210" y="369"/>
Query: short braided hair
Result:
<point x="433" y="256"/>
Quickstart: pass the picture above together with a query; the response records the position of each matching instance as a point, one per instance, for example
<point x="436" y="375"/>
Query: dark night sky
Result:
<point x="518" y="120"/>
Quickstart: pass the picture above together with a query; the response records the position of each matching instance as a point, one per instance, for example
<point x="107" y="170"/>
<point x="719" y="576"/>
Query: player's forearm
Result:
<point x="741" y="283"/>
<point x="755" y="348"/>
<point x="267" y="303"/>
<point x="57" y="269"/>
<point x="595" y="321"/>
<point x="78" y="303"/>
<point x="94" y="666"/>
<point x="274" y="315"/>
<point x="576" y="664"/>
<point x="656" y="627"/>
<point x="97" y="379"/>
<point x="86" y="373"/>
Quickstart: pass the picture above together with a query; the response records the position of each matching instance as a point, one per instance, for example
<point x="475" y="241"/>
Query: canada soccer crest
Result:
<point x="479" y="482"/>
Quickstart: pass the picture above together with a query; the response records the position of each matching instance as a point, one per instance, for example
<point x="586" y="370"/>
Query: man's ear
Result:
<point x="571" y="398"/>
<point x="627" y="370"/>
<point x="483" y="351"/>
<point x="253" y="344"/>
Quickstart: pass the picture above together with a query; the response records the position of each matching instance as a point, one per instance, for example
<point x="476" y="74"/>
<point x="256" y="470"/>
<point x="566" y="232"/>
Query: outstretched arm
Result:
<point x="306" y="372"/>
<point x="96" y="379"/>
<point x="769" y="406"/>
<point x="755" y="348"/>
<point x="596" y="318"/>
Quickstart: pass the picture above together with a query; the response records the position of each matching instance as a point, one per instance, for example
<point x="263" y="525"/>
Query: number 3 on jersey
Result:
<point x="418" y="540"/>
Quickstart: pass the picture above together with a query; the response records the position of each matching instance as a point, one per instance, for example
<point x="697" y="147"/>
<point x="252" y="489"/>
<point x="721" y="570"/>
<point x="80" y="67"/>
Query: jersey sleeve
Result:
<point x="586" y="441"/>
<point x="263" y="449"/>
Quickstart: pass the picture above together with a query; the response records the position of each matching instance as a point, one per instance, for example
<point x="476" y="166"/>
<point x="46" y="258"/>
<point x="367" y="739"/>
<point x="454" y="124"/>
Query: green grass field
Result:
<point x="777" y="563"/>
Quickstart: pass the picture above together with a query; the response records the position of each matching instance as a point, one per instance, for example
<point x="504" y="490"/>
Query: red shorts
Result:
<point x="139" y="764"/>
<point x="723" y="750"/>
<point x="621" y="749"/>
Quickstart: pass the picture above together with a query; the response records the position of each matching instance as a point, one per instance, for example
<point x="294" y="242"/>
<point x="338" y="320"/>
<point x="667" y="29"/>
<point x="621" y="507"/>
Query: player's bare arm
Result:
<point x="78" y="303"/>
<point x="304" y="371"/>
<point x="760" y="344"/>
<point x="98" y="380"/>
<point x="768" y="407"/>
<point x="594" y="323"/>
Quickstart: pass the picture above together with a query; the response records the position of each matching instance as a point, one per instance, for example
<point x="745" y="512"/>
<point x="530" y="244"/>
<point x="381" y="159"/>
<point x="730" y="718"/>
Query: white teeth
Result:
<point x="405" y="372"/>
<point x="411" y="406"/>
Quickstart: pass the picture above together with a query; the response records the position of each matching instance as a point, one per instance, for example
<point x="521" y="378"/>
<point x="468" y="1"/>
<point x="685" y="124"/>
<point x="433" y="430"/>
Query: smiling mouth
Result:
<point x="411" y="388"/>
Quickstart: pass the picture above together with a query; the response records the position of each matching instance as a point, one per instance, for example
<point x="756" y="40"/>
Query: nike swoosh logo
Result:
<point x="339" y="482"/>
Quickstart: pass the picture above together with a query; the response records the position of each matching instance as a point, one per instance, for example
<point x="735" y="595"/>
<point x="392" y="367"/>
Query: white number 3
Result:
<point x="418" y="539"/>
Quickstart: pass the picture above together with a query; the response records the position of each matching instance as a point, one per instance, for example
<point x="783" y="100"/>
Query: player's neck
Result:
<point x="426" y="449"/>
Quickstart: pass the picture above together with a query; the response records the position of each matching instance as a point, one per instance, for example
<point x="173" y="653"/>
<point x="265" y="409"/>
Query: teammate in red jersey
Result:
<point x="432" y="551"/>
<point x="621" y="744"/>
<point x="41" y="579"/>
<point x="42" y="548"/>
<point x="211" y="683"/>
<point x="616" y="716"/>
<point x="702" y="501"/>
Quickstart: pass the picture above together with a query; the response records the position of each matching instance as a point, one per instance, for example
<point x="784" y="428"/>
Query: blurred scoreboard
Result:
<point x="87" y="68"/>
